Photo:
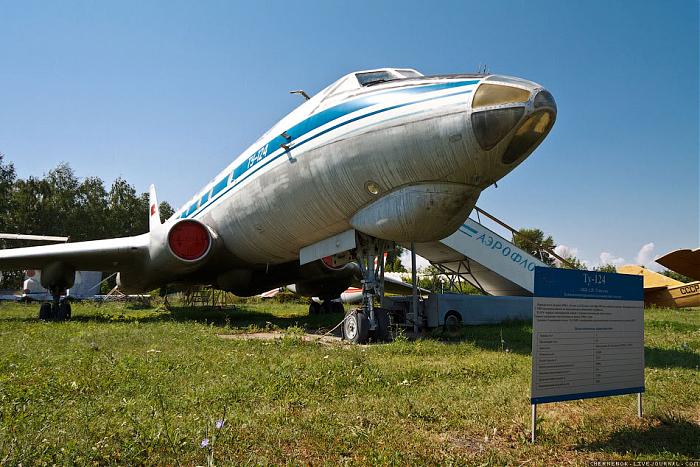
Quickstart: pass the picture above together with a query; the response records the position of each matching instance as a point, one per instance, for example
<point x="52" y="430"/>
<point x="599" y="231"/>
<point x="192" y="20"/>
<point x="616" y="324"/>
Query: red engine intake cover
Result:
<point x="189" y="240"/>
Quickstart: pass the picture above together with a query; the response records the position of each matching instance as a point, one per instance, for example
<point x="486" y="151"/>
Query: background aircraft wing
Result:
<point x="652" y="280"/>
<point x="399" y="287"/>
<point x="97" y="255"/>
<point x="686" y="262"/>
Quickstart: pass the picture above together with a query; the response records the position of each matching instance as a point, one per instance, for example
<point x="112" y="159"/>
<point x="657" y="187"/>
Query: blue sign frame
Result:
<point x="594" y="285"/>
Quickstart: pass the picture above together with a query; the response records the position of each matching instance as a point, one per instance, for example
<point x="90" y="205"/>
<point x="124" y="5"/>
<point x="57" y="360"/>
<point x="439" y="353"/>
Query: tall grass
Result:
<point x="148" y="386"/>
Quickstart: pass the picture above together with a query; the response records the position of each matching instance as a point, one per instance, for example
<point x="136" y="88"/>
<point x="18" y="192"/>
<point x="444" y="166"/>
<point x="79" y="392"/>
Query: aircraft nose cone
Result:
<point x="506" y="109"/>
<point x="545" y="99"/>
<point x="530" y="132"/>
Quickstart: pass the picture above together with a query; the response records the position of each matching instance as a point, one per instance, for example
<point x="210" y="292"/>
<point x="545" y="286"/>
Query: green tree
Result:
<point x="573" y="262"/>
<point x="7" y="181"/>
<point x="61" y="202"/>
<point x="534" y="241"/>
<point x="677" y="276"/>
<point x="127" y="213"/>
<point x="91" y="207"/>
<point x="166" y="211"/>
<point x="393" y="260"/>
<point x="606" y="268"/>
<point x="30" y="210"/>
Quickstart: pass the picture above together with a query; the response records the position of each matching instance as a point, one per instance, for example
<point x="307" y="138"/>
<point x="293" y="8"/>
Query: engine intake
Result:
<point x="189" y="240"/>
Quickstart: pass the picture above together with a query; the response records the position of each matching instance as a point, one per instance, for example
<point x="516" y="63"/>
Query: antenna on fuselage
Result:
<point x="301" y="92"/>
<point x="482" y="69"/>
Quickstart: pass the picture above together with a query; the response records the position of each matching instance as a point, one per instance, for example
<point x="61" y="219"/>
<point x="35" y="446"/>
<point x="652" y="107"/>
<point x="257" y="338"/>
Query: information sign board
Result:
<point x="587" y="335"/>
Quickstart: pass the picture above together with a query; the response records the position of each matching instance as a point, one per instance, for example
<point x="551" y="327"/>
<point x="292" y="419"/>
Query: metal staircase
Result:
<point x="478" y="255"/>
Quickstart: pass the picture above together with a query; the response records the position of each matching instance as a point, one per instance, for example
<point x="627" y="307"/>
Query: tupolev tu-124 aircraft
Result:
<point x="379" y="156"/>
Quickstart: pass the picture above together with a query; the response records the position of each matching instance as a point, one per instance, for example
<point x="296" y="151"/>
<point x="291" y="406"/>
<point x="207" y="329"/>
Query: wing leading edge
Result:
<point x="108" y="255"/>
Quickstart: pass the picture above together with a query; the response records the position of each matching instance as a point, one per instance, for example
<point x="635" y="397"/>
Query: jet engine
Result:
<point x="174" y="251"/>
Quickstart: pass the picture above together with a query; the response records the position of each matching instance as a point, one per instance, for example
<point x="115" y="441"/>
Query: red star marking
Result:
<point x="153" y="209"/>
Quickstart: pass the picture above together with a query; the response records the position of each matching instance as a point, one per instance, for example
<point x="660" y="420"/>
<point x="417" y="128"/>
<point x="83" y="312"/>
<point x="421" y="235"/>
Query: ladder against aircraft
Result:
<point x="488" y="261"/>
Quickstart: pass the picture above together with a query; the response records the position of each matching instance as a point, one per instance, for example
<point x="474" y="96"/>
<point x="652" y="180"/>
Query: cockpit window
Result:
<point x="374" y="77"/>
<point x="409" y="73"/>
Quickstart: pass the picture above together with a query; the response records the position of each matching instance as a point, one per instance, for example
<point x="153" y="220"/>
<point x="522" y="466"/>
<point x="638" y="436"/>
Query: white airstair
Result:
<point x="481" y="257"/>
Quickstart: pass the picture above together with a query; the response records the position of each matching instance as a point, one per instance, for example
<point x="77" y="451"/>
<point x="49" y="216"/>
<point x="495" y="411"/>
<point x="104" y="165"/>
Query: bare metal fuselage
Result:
<point x="418" y="148"/>
<point x="400" y="159"/>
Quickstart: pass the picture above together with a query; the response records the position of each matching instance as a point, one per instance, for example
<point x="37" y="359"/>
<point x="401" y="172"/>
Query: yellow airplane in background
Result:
<point x="661" y="290"/>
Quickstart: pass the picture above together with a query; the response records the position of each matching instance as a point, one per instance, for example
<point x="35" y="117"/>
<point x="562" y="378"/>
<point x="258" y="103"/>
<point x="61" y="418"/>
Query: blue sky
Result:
<point x="170" y="92"/>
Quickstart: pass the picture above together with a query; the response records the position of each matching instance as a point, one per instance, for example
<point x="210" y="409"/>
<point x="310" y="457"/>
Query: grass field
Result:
<point x="143" y="386"/>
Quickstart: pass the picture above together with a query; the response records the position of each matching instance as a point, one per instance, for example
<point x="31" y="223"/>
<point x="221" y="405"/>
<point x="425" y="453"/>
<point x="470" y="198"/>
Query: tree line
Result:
<point x="60" y="204"/>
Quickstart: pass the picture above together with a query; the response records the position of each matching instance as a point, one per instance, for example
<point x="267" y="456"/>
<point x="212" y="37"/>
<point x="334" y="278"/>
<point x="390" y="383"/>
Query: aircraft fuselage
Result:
<point x="399" y="160"/>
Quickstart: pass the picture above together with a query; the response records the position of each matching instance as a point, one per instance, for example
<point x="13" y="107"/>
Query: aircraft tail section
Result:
<point x="154" y="220"/>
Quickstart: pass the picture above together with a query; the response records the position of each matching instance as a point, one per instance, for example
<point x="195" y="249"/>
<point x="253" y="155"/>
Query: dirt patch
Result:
<point x="274" y="336"/>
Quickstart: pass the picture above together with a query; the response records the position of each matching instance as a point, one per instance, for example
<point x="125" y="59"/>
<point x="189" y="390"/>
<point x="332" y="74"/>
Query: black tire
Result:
<point x="338" y="307"/>
<point x="59" y="312"/>
<point x="45" y="312"/>
<point x="68" y="310"/>
<point x="383" y="331"/>
<point x="356" y="327"/>
<point x="314" y="308"/>
<point x="453" y="322"/>
<point x="327" y="307"/>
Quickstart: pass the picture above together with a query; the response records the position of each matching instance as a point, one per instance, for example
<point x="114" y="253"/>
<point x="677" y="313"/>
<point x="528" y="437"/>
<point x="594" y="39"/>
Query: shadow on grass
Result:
<point x="666" y="435"/>
<point x="655" y="357"/>
<point x="515" y="336"/>
<point x="236" y="317"/>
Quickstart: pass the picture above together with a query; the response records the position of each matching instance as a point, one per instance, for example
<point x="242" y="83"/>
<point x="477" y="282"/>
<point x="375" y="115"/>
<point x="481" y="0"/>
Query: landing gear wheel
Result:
<point x="356" y="327"/>
<point x="453" y="322"/>
<point x="59" y="311"/>
<point x="314" y="308"/>
<point x="327" y="307"/>
<point x="68" y="309"/>
<point x="383" y="331"/>
<point x="332" y="306"/>
<point x="45" y="312"/>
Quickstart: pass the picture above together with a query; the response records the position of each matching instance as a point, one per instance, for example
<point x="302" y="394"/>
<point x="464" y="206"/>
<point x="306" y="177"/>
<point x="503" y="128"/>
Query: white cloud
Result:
<point x="406" y="260"/>
<point x="645" y="256"/>
<point x="566" y="251"/>
<point x="609" y="258"/>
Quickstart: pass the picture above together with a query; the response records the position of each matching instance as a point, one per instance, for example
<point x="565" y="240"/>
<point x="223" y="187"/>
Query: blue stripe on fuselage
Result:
<point x="312" y="123"/>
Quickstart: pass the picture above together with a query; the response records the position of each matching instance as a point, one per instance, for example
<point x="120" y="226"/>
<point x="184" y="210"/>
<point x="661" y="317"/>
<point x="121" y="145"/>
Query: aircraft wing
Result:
<point x="686" y="262"/>
<point x="399" y="287"/>
<point x="97" y="255"/>
<point x="652" y="280"/>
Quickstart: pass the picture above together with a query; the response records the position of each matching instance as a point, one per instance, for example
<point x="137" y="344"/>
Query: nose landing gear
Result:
<point x="369" y="322"/>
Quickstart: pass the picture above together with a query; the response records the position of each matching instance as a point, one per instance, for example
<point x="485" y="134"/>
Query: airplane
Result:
<point x="378" y="157"/>
<point x="684" y="261"/>
<point x="661" y="290"/>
